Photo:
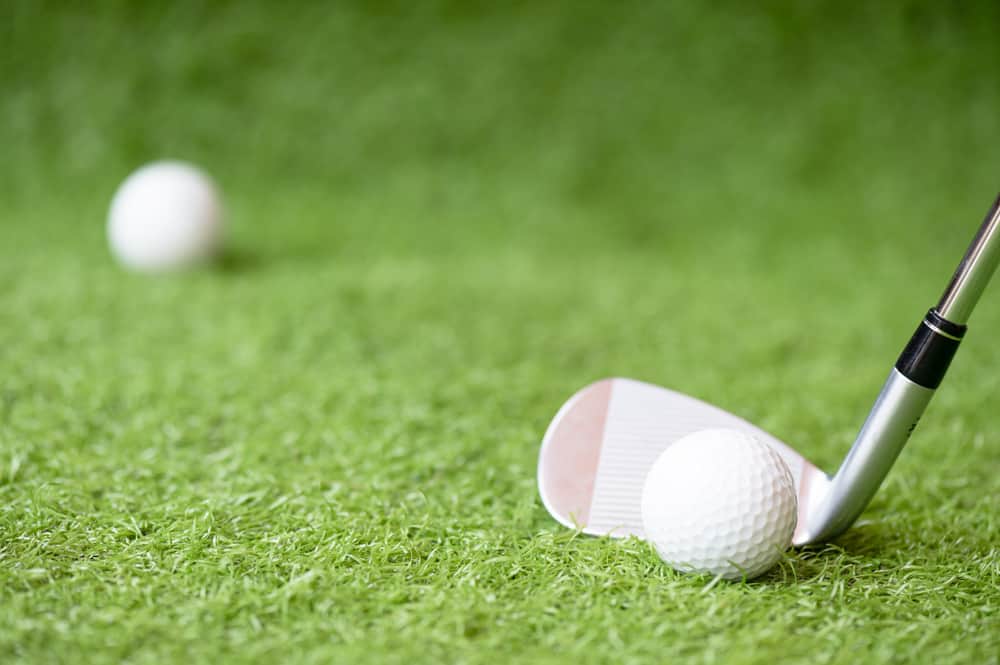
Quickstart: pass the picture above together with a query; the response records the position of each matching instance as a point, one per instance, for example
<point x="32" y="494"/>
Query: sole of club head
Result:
<point x="600" y="446"/>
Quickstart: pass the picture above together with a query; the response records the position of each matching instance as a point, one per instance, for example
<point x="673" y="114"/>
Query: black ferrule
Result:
<point x="929" y="352"/>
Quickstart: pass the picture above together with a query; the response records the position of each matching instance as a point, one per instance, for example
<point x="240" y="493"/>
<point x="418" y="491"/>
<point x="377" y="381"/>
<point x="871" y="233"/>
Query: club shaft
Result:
<point x="895" y="414"/>
<point x="974" y="272"/>
<point x="909" y="388"/>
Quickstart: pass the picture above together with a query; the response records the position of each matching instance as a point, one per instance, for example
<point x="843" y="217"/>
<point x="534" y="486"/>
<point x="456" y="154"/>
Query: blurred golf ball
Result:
<point x="720" y="501"/>
<point x="165" y="216"/>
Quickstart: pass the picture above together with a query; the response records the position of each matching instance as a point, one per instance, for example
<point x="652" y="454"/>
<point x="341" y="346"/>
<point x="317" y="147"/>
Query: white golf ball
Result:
<point x="720" y="501"/>
<point x="165" y="216"/>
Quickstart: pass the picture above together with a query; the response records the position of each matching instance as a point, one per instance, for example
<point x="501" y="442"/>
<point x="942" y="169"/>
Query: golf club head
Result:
<point x="600" y="446"/>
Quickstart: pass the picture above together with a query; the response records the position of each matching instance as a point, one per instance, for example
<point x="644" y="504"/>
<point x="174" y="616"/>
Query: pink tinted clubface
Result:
<point x="600" y="446"/>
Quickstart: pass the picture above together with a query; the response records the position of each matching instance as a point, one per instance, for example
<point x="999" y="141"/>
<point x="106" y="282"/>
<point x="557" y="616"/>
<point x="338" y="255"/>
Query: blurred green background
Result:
<point x="444" y="219"/>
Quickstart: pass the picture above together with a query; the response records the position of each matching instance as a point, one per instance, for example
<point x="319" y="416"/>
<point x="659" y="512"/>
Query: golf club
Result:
<point x="598" y="449"/>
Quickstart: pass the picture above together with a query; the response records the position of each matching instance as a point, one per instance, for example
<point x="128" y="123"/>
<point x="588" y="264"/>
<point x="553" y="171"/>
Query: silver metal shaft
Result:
<point x="901" y="402"/>
<point x="974" y="272"/>
<point x="894" y="415"/>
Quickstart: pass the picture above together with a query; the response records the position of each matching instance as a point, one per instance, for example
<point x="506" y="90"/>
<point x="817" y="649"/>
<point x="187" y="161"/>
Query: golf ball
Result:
<point x="720" y="501"/>
<point x="165" y="216"/>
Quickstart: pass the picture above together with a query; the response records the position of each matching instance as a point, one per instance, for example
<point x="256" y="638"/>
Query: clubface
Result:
<point x="602" y="443"/>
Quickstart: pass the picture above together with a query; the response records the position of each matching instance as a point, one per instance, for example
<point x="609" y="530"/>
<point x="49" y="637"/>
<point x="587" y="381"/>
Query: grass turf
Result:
<point x="443" y="223"/>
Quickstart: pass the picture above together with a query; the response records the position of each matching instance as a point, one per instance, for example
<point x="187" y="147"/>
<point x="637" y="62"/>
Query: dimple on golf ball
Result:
<point x="720" y="501"/>
<point x="165" y="216"/>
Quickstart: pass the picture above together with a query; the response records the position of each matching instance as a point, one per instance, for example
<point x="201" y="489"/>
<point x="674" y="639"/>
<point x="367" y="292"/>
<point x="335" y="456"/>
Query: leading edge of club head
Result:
<point x="598" y="449"/>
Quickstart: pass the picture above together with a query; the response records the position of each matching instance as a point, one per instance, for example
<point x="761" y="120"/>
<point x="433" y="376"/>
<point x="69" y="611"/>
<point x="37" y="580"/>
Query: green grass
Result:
<point x="444" y="222"/>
